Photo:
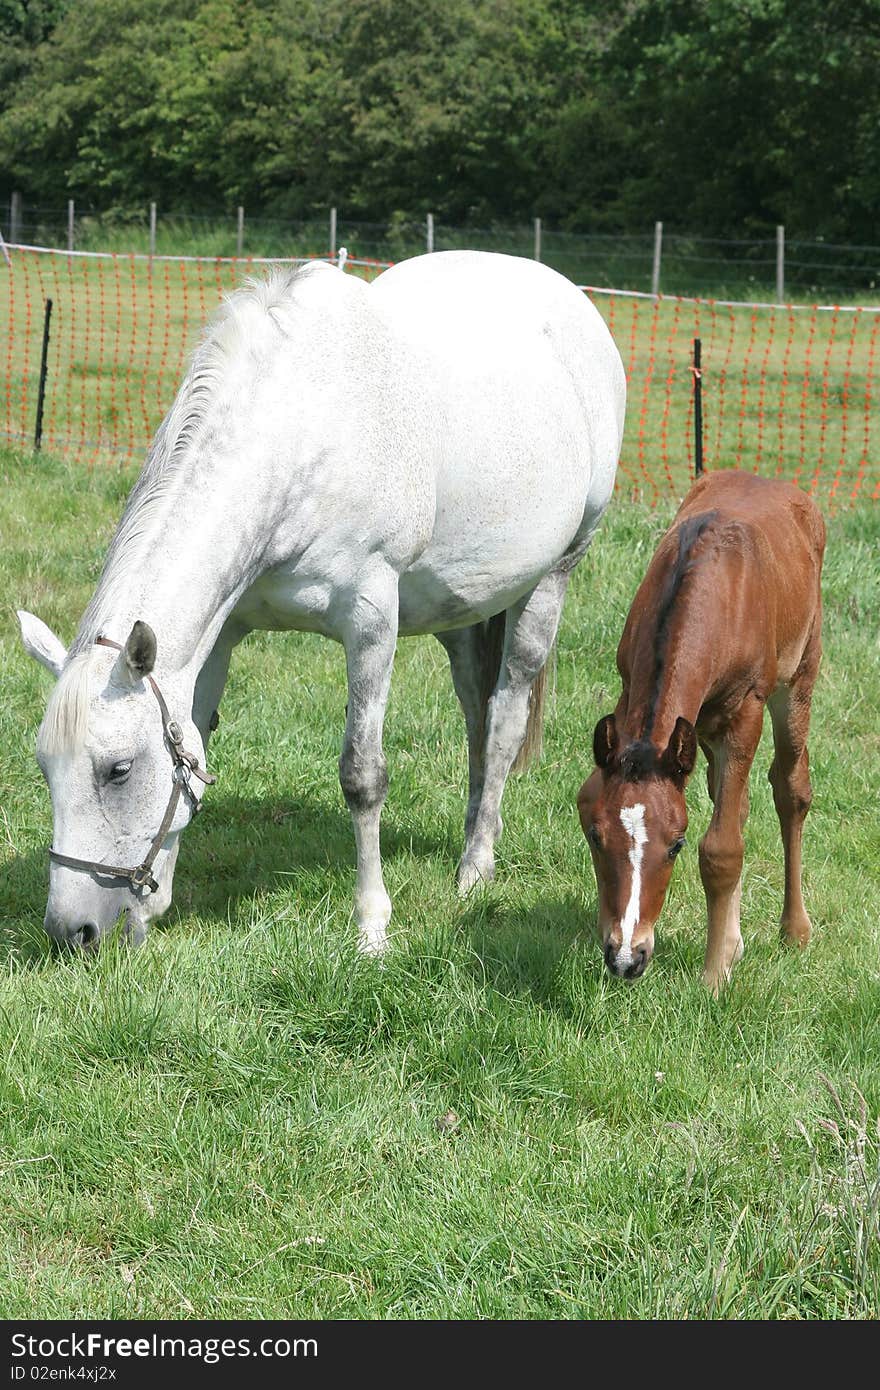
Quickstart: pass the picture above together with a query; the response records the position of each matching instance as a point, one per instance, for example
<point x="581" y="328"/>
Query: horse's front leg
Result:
<point x="722" y="848"/>
<point x="212" y="679"/>
<point x="369" y="638"/>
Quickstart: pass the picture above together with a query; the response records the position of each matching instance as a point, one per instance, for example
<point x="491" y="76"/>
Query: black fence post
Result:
<point x="698" y="408"/>
<point x="44" y="367"/>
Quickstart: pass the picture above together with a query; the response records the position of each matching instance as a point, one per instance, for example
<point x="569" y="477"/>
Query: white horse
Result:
<point x="430" y="453"/>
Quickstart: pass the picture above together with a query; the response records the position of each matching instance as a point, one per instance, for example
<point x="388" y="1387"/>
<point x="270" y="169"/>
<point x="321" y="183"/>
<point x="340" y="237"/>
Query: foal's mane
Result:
<point x="689" y="534"/>
<point x="247" y="324"/>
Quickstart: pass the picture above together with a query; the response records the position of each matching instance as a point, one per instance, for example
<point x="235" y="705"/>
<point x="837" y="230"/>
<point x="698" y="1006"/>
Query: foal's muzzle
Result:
<point x="629" y="969"/>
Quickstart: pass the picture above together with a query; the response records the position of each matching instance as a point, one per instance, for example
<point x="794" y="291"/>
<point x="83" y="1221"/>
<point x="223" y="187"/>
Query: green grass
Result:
<point x="242" y="1118"/>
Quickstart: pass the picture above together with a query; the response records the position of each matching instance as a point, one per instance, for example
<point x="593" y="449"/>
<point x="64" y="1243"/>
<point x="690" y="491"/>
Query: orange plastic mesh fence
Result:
<point x="788" y="391"/>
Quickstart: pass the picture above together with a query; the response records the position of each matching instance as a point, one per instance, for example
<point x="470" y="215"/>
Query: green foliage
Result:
<point x="710" y="115"/>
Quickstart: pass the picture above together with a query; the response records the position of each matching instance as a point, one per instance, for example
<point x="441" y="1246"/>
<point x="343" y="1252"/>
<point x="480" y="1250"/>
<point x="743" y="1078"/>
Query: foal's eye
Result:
<point x="119" y="772"/>
<point x="677" y="848"/>
<point x="593" y="837"/>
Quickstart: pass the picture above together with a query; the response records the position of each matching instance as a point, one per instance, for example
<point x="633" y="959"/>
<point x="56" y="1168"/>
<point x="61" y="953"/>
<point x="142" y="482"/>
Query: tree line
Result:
<point x="725" y="116"/>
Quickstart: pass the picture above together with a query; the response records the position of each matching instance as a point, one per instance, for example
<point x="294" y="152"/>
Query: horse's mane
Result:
<point x="688" y="534"/>
<point x="66" y="719"/>
<point x="246" y="326"/>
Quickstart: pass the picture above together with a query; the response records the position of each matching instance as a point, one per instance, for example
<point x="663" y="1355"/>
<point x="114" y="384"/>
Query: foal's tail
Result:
<point x="493" y="648"/>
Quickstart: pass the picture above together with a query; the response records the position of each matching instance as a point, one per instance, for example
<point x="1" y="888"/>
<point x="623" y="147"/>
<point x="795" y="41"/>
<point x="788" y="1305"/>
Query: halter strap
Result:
<point x="186" y="765"/>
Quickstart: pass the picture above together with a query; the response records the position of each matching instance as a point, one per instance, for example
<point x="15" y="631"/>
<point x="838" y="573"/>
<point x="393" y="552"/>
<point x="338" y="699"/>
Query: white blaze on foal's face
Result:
<point x="632" y="819"/>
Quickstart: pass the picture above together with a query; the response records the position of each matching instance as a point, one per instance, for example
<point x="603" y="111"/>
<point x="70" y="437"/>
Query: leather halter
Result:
<point x="186" y="766"/>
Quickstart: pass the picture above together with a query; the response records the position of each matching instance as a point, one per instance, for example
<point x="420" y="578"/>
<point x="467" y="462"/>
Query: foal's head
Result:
<point x="633" y="814"/>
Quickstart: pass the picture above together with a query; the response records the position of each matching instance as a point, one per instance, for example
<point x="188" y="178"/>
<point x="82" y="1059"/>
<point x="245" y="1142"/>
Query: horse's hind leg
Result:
<point x="466" y="649"/>
<point x="369" y="637"/>
<point x="529" y="636"/>
<point x="790" y="779"/>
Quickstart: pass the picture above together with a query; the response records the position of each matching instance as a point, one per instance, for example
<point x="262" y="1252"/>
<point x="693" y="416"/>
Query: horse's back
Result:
<point x="520" y="394"/>
<point x="771" y="536"/>
<point x="779" y="510"/>
<point x="504" y="321"/>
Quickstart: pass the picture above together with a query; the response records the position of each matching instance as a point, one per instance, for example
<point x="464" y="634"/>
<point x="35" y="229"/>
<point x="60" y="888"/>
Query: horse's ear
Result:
<point x="681" y="751"/>
<point x="40" y="642"/>
<point x="138" y="656"/>
<point x="605" y="742"/>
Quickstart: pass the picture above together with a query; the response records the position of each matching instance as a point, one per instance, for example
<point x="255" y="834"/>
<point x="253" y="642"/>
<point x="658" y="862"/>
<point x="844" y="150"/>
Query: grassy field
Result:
<point x="245" y="1119"/>
<point x="787" y="391"/>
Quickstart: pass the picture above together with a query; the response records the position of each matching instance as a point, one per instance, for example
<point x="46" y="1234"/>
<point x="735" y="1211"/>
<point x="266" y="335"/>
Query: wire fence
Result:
<point x="691" y="264"/>
<point x="788" y="391"/>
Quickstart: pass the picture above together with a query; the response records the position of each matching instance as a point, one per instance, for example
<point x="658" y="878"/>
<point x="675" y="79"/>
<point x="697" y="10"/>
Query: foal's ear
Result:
<point x="138" y="656"/>
<point x="681" y="750"/>
<point x="605" y="742"/>
<point x="40" y="642"/>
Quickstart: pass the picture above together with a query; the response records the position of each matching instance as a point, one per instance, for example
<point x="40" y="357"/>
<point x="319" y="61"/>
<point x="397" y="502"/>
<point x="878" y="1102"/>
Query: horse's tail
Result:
<point x="534" y="739"/>
<point x="493" y="647"/>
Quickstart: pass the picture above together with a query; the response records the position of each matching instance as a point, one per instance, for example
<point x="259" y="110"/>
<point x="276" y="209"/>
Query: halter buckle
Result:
<point x="141" y="877"/>
<point x="174" y="732"/>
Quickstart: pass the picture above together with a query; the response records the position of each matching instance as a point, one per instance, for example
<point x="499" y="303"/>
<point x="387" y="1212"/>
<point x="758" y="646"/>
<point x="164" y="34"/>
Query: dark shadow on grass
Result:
<point x="239" y="846"/>
<point x="526" y="950"/>
<point x="522" y="950"/>
<point x="245" y="843"/>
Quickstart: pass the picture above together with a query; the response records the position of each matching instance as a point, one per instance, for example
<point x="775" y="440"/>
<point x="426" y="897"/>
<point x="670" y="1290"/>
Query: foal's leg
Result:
<point x="710" y="768"/>
<point x="721" y="849"/>
<point x="369" y="637"/>
<point x="466" y="649"/>
<point x="530" y="633"/>
<point x="790" y="779"/>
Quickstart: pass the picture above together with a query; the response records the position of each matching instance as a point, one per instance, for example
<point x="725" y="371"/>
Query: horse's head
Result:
<point x="633" y="814"/>
<point x="115" y="775"/>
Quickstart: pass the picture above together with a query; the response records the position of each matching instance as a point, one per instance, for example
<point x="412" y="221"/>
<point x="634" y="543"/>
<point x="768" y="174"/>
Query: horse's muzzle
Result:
<point x="629" y="969"/>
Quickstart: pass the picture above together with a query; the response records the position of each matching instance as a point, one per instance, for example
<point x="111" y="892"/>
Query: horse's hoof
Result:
<point x="796" y="932"/>
<point x="471" y="876"/>
<point x="372" y="940"/>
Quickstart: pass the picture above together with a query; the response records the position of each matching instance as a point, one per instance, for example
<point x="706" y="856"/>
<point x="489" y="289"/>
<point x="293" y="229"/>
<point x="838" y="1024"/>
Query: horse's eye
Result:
<point x="593" y="837"/>
<point x="119" y="771"/>
<point x="677" y="847"/>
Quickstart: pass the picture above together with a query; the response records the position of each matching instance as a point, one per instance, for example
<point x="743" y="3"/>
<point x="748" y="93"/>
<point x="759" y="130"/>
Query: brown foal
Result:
<point x="726" y="620"/>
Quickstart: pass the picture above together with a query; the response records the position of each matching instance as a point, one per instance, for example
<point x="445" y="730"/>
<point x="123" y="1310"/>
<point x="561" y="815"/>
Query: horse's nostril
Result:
<point x="88" y="934"/>
<point x="610" y="954"/>
<point x="639" y="962"/>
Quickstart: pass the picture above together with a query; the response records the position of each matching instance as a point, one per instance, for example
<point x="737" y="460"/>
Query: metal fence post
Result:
<point x="658" y="251"/>
<point x="333" y="233"/>
<point x="537" y="238"/>
<point x="239" y="234"/>
<point x="70" y="224"/>
<point x="44" y="367"/>
<point x="15" y="218"/>
<point x="429" y="240"/>
<point x="780" y="265"/>
<point x="698" y="407"/>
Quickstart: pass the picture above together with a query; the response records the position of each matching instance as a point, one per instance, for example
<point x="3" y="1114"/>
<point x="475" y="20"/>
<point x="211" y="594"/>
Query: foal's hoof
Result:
<point x="796" y="932"/>
<point x="717" y="977"/>
<point x="471" y="875"/>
